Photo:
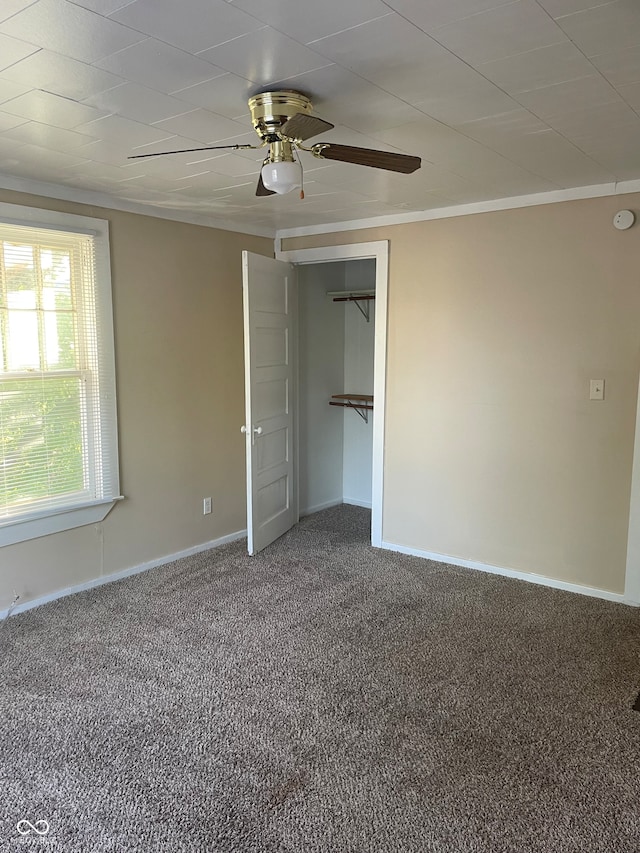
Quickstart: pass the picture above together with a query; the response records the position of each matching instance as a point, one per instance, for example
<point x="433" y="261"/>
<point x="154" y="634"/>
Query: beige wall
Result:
<point x="493" y="451"/>
<point x="497" y="321"/>
<point x="177" y="293"/>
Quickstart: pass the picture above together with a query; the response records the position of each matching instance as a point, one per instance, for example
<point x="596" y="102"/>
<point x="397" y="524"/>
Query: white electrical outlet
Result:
<point x="206" y="506"/>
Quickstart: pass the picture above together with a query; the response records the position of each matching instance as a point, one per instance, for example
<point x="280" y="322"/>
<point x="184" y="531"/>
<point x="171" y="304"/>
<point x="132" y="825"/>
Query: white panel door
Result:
<point x="269" y="315"/>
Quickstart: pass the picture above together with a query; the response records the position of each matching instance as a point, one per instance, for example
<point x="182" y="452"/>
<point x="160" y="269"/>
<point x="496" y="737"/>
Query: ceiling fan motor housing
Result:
<point x="271" y="110"/>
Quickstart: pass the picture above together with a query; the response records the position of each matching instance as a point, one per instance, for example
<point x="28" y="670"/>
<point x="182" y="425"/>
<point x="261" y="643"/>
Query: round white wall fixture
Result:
<point x="624" y="219"/>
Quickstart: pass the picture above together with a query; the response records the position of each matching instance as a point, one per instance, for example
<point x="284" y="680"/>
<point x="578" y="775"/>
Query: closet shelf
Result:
<point x="360" y="403"/>
<point x="355" y="296"/>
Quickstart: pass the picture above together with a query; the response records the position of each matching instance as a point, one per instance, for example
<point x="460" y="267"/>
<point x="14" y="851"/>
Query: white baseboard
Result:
<point x="125" y="573"/>
<point x="530" y="577"/>
<point x="328" y="504"/>
<point x="389" y="546"/>
<point x="318" y="507"/>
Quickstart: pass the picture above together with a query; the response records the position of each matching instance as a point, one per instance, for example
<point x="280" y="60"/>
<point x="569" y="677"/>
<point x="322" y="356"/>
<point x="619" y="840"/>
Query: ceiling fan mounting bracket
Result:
<point x="271" y="110"/>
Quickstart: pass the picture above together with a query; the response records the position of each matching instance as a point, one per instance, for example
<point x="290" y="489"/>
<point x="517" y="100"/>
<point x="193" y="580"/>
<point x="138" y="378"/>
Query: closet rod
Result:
<point x="355" y="296"/>
<point x="362" y="404"/>
<point x="352" y="298"/>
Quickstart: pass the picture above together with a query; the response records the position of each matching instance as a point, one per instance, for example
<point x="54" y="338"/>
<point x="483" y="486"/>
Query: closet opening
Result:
<point x="336" y="366"/>
<point x="327" y="361"/>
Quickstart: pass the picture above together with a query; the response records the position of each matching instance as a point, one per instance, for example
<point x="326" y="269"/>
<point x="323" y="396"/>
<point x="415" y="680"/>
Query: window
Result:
<point x="58" y="437"/>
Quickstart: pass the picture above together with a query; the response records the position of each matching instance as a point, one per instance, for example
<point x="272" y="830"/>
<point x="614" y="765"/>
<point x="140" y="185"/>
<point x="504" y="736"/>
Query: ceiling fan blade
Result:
<point x="301" y="126"/>
<point x="190" y="150"/>
<point x="367" y="157"/>
<point x="261" y="189"/>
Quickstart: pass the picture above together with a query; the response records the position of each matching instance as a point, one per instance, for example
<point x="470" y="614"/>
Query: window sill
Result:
<point x="55" y="521"/>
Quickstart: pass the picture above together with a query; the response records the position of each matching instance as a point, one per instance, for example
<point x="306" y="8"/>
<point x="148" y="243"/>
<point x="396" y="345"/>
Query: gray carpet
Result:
<point x="323" y="696"/>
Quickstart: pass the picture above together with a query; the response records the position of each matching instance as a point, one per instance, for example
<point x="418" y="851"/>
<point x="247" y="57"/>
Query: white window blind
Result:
<point x="58" y="438"/>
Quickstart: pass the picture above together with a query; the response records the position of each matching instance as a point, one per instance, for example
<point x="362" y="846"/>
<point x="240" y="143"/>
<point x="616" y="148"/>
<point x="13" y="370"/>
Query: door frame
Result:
<point x="632" y="574"/>
<point x="379" y="251"/>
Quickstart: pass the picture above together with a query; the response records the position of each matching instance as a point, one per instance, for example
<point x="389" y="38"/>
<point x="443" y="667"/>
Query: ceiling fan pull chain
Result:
<point x="301" y="178"/>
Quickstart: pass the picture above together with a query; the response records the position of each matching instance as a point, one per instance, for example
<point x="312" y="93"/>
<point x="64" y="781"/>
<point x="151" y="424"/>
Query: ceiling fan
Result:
<point x="283" y="122"/>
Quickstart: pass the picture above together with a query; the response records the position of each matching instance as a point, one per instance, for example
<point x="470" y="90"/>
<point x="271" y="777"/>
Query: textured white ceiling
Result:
<point x="497" y="98"/>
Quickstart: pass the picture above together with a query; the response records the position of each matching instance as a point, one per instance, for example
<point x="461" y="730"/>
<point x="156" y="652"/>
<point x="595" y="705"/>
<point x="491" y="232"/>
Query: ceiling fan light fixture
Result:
<point x="282" y="177"/>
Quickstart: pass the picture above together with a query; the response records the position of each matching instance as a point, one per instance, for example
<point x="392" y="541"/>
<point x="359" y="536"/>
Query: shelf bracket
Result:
<point x="364" y="311"/>
<point x="364" y="413"/>
<point x="363" y="404"/>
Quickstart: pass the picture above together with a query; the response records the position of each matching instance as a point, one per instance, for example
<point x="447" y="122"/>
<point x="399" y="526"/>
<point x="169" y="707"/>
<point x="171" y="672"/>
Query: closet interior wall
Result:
<point x="359" y="339"/>
<point x="335" y="352"/>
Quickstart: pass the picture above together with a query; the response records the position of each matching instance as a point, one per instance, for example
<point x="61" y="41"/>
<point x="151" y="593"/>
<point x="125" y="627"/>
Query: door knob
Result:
<point x="257" y="430"/>
<point x="243" y="429"/>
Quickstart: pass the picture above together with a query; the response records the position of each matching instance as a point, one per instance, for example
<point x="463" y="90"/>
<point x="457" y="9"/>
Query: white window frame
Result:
<point x="34" y="524"/>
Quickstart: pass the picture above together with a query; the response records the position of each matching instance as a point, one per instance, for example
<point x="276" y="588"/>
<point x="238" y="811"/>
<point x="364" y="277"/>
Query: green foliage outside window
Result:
<point x="41" y="413"/>
<point x="41" y="441"/>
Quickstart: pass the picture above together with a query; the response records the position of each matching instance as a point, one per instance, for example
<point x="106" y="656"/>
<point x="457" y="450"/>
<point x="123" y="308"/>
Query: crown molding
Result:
<point x="62" y="192"/>
<point x="512" y="203"/>
<point x="97" y="199"/>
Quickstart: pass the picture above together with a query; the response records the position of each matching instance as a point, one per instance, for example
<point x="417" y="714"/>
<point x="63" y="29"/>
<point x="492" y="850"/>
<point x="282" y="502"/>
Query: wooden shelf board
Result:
<point x="354" y="294"/>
